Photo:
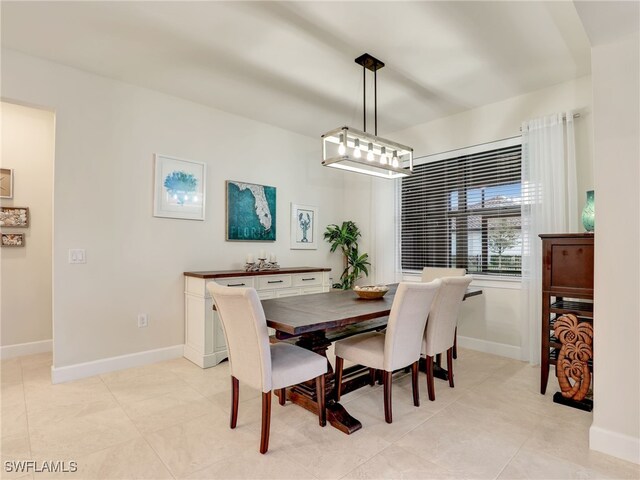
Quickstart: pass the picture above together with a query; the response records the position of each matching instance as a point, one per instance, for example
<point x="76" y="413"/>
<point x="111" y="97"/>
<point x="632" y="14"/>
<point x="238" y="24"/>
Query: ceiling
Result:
<point x="291" y="64"/>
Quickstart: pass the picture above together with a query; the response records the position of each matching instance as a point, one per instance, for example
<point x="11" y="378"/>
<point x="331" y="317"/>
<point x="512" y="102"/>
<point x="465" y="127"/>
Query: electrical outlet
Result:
<point x="77" y="255"/>
<point x="143" y="320"/>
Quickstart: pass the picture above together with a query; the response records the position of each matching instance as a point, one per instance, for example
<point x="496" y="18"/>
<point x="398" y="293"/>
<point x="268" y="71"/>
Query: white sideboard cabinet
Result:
<point x="204" y="342"/>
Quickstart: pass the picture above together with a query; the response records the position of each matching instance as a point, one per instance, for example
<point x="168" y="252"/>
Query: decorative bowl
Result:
<point x="371" y="292"/>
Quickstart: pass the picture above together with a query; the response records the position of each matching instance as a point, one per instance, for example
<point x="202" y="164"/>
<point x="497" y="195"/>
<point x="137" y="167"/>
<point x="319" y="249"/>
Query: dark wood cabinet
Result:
<point x="567" y="287"/>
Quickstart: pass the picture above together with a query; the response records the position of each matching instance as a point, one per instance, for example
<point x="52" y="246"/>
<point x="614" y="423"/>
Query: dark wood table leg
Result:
<point x="438" y="371"/>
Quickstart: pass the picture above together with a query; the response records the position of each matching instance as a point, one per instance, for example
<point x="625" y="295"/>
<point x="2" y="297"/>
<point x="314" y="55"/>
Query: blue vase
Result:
<point x="588" y="213"/>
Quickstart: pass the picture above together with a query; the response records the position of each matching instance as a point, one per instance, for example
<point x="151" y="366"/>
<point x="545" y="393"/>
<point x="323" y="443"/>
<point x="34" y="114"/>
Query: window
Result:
<point x="462" y="209"/>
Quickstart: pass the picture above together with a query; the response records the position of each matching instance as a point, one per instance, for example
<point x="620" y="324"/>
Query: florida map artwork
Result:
<point x="251" y="212"/>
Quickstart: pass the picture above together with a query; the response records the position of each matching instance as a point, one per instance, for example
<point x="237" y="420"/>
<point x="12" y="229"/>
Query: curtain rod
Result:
<point x="564" y="117"/>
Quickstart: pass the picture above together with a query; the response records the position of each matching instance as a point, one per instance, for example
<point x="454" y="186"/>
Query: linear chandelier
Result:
<point x="358" y="151"/>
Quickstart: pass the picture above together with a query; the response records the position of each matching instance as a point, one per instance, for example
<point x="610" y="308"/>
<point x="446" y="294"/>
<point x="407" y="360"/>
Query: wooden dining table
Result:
<point x="316" y="321"/>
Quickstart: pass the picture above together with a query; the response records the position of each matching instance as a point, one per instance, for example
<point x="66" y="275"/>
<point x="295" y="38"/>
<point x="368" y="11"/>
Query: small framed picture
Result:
<point x="304" y="227"/>
<point x="13" y="239"/>
<point x="17" y="217"/>
<point x="179" y="188"/>
<point x="6" y="183"/>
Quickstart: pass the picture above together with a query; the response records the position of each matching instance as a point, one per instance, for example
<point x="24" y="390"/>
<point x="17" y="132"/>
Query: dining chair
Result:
<point x="441" y="325"/>
<point x="431" y="273"/>
<point x="258" y="364"/>
<point x="398" y="346"/>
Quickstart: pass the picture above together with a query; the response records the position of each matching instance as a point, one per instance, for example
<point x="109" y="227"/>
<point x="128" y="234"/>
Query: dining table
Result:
<point x="316" y="321"/>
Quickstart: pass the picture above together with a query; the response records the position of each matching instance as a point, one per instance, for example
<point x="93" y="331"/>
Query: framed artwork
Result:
<point x="251" y="212"/>
<point x="6" y="183"/>
<point x="13" y="239"/>
<point x="304" y="227"/>
<point x="17" y="217"/>
<point x="179" y="188"/>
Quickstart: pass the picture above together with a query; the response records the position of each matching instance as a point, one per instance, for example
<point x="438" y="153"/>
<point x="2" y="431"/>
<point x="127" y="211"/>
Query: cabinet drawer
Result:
<point x="273" y="281"/>
<point x="310" y="290"/>
<point x="307" y="279"/>
<point x="266" y="294"/>
<point x="245" y="282"/>
<point x="290" y="292"/>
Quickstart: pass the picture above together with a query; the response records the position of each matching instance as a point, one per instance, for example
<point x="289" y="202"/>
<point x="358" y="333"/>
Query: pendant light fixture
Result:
<point x="358" y="151"/>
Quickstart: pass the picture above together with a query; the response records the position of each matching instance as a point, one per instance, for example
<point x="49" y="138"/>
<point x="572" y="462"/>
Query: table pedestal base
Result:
<point x="304" y="394"/>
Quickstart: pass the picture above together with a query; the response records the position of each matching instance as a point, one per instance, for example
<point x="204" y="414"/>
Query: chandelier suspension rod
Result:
<point x="364" y="97"/>
<point x="375" y="101"/>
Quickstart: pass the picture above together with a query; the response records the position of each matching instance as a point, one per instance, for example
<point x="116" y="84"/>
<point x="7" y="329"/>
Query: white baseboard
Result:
<point x="502" y="349"/>
<point x="21" y="349"/>
<point x="615" y="444"/>
<point x="111" y="364"/>
<point x="204" y="361"/>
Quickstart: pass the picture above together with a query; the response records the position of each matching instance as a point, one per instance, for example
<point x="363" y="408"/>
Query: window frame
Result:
<point x="498" y="212"/>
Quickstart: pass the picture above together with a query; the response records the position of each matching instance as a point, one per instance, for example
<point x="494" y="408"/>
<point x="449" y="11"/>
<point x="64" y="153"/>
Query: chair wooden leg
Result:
<point x="266" y="422"/>
<point x="235" y="388"/>
<point x="322" y="411"/>
<point x="450" y="366"/>
<point x="387" y="376"/>
<point x="414" y="384"/>
<point x="455" y="344"/>
<point x="372" y="376"/>
<point x="283" y="396"/>
<point x="338" y="377"/>
<point x="430" y="385"/>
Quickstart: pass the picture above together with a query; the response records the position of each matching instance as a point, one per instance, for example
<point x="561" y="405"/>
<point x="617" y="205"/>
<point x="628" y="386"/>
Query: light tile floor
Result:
<point x="170" y="420"/>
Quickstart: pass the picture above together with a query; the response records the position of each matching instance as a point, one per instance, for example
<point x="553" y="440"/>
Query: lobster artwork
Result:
<point x="576" y="339"/>
<point x="304" y="221"/>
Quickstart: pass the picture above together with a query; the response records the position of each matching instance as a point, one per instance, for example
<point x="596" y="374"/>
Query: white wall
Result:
<point x="28" y="149"/>
<point x="616" y="103"/>
<point x="494" y="321"/>
<point x="106" y="135"/>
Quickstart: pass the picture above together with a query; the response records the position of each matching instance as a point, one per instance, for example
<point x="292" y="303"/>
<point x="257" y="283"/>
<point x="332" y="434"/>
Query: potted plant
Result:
<point x="346" y="237"/>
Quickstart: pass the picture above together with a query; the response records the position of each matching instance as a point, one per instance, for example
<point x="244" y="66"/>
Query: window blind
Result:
<point x="464" y="211"/>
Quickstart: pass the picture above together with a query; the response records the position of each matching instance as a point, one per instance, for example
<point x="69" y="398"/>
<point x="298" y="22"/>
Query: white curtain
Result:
<point x="549" y="205"/>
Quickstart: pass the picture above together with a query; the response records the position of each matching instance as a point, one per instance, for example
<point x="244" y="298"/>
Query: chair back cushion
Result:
<point x="407" y="320"/>
<point x="443" y="318"/>
<point x="432" y="273"/>
<point x="245" y="330"/>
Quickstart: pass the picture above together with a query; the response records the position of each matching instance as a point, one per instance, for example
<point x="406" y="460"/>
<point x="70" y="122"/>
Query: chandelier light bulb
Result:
<point x="342" y="149"/>
<point x="356" y="149"/>
<point x="383" y="155"/>
<point x="394" y="160"/>
<point x="370" y="152"/>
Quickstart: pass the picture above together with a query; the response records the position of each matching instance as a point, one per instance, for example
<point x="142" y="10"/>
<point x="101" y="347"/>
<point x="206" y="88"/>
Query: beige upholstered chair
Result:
<point x="398" y="346"/>
<point x="260" y="365"/>
<point x="443" y="317"/>
<point x="431" y="273"/>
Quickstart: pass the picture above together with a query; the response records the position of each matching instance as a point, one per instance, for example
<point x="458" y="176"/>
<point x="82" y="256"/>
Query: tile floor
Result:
<point x="170" y="420"/>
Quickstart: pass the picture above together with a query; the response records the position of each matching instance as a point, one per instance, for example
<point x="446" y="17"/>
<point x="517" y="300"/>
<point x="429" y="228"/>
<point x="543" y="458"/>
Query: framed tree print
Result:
<point x="304" y="227"/>
<point x="179" y="188"/>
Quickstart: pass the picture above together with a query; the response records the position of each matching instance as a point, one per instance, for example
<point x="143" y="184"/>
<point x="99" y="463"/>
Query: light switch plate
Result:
<point x="77" y="255"/>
